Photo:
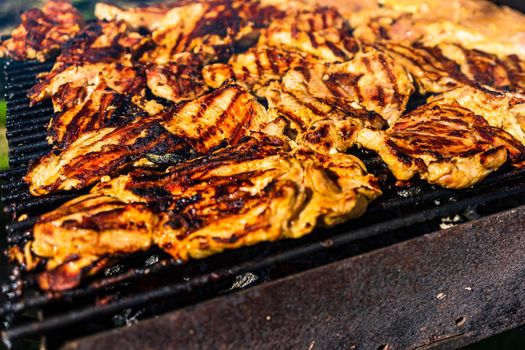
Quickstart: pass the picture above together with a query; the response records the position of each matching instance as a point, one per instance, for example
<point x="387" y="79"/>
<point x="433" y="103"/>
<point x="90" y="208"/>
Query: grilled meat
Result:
<point x="254" y="68"/>
<point x="320" y="33"/>
<point x="432" y="71"/>
<point x="255" y="192"/>
<point x="176" y="81"/>
<point x="208" y="30"/>
<point x="101" y="49"/>
<point x="473" y="24"/>
<point x="198" y="126"/>
<point x="43" y="32"/>
<point x="500" y="109"/>
<point x="444" y="144"/>
<point x="371" y="80"/>
<point x="103" y="107"/>
<point x="506" y="74"/>
<point x="149" y="17"/>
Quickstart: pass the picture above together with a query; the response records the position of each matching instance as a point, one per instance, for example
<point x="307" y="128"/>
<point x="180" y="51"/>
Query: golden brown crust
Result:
<point x="43" y="32"/>
<point x="257" y="191"/>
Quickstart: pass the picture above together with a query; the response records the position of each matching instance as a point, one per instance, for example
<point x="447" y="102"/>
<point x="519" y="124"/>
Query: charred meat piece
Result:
<point x="101" y="49"/>
<point x="176" y="81"/>
<point x="258" y="191"/>
<point x="43" y="32"/>
<point x="432" y="71"/>
<point x="198" y="126"/>
<point x="503" y="110"/>
<point x="444" y="144"/>
<point x="506" y="74"/>
<point x="254" y="68"/>
<point x="149" y="17"/>
<point x="371" y="80"/>
<point x="103" y="107"/>
<point x="206" y="29"/>
<point x="320" y="33"/>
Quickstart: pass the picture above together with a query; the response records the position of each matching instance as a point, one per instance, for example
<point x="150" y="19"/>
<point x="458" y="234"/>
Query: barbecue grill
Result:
<point x="391" y="279"/>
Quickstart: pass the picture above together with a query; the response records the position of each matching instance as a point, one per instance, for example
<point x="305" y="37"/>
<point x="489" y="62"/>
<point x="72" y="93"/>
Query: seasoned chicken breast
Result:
<point x="444" y="144"/>
<point x="194" y="127"/>
<point x="43" y="32"/>
<point x="258" y="191"/>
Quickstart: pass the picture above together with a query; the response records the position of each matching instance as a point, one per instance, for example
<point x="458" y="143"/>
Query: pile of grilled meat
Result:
<point x="202" y="126"/>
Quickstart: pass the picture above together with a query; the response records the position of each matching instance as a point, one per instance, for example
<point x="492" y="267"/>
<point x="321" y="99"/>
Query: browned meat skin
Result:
<point x="432" y="71"/>
<point x="100" y="49"/>
<point x="43" y="32"/>
<point x="506" y="74"/>
<point x="371" y="80"/>
<point x="223" y="116"/>
<point x="443" y="143"/>
<point x="500" y="109"/>
<point x="320" y="33"/>
<point x="254" y="68"/>
<point x="137" y="17"/>
<point x="206" y="29"/>
<point x="258" y="191"/>
<point x="447" y="66"/>
<point x="176" y="81"/>
<point x="103" y="107"/>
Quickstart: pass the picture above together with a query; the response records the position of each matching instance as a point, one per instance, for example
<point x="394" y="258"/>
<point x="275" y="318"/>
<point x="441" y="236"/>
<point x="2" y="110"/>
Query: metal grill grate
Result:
<point x="398" y="215"/>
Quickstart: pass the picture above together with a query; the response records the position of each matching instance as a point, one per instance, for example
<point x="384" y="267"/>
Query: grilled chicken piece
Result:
<point x="254" y="68"/>
<point x="500" y="109"/>
<point x="103" y="107"/>
<point x="473" y="24"/>
<point x="432" y="71"/>
<point x="101" y="49"/>
<point x="149" y="17"/>
<point x="258" y="191"/>
<point x="505" y="74"/>
<point x="320" y="33"/>
<point x="198" y="126"/>
<point x="43" y="32"/>
<point x="177" y="81"/>
<point x="371" y="80"/>
<point x="208" y="30"/>
<point x="444" y="144"/>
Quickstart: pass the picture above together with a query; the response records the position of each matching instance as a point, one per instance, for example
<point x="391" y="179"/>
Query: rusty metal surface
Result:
<point x="440" y="290"/>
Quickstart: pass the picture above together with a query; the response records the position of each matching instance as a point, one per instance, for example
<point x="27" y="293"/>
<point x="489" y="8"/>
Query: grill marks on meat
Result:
<point x="223" y="116"/>
<point x="105" y="49"/>
<point x="254" y="68"/>
<point x="500" y="109"/>
<point x="43" y="32"/>
<point x="443" y="143"/>
<point x="432" y="71"/>
<point x="258" y="191"/>
<point x="320" y="33"/>
<point x="208" y="30"/>
<point x="89" y="81"/>
<point x="371" y="80"/>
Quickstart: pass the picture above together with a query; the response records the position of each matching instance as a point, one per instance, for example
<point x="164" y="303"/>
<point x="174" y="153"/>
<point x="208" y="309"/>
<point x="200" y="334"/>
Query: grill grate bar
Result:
<point x="15" y="113"/>
<point x="20" y="226"/>
<point x="34" y="128"/>
<point x="24" y="159"/>
<point x="12" y="186"/>
<point x="38" y="202"/>
<point x="84" y="314"/>
<point x="13" y="173"/>
<point x="32" y="147"/>
<point x="37" y="136"/>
